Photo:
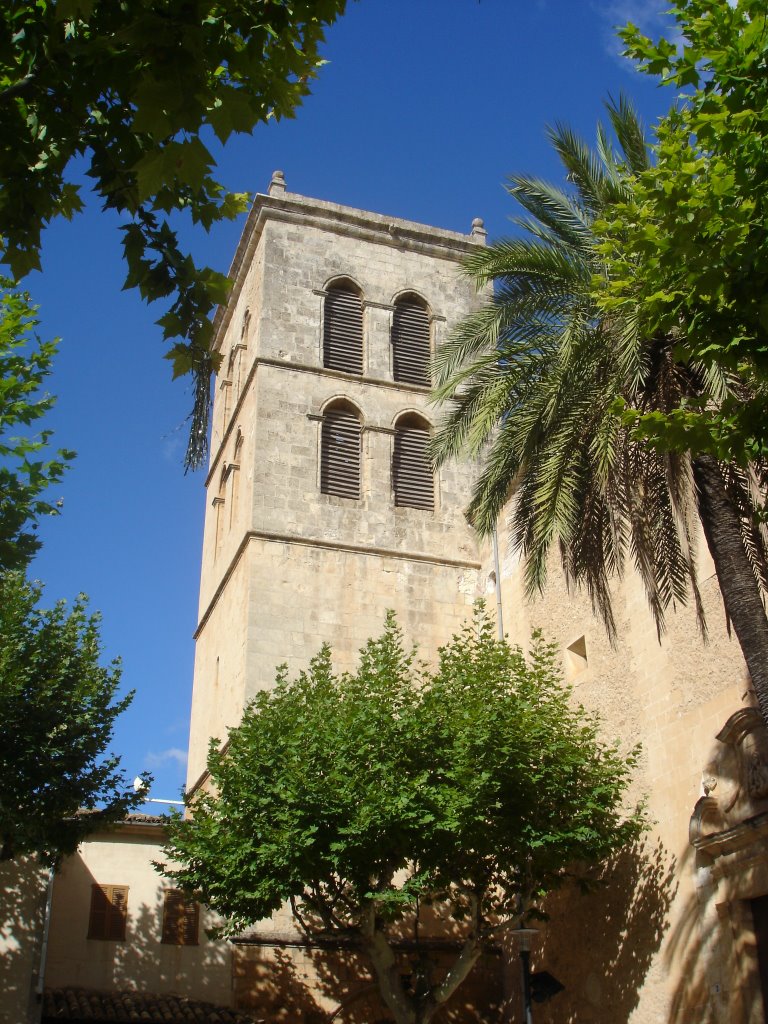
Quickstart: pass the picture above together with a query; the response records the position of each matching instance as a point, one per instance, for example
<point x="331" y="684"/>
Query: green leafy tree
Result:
<point x="57" y="710"/>
<point x="534" y="379"/>
<point x="26" y="474"/>
<point x="132" y="89"/>
<point x="359" y="798"/>
<point x="688" y="248"/>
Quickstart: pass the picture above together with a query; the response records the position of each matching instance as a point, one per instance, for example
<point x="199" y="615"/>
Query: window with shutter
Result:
<point x="410" y="341"/>
<point x="343" y="329"/>
<point x="109" y="912"/>
<point x="340" y="452"/>
<point x="412" y="477"/>
<point x="181" y="916"/>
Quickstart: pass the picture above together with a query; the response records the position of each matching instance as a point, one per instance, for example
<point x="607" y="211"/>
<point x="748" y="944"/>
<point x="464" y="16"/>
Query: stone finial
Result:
<point x="478" y="232"/>
<point x="277" y="185"/>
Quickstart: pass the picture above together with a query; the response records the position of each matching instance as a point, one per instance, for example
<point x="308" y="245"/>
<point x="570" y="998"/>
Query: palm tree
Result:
<point x="535" y="382"/>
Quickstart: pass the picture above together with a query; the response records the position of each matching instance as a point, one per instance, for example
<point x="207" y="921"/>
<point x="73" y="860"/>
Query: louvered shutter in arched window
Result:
<point x="410" y="342"/>
<point x="413" y="480"/>
<point x="343" y="330"/>
<point x="340" y="453"/>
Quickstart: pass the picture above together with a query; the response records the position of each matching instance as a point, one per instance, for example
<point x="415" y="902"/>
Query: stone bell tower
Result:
<point x="322" y="510"/>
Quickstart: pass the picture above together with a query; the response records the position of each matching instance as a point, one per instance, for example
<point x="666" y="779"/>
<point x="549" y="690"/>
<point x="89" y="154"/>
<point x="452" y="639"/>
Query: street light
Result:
<point x="537" y="987"/>
<point x="141" y="785"/>
<point x="524" y="938"/>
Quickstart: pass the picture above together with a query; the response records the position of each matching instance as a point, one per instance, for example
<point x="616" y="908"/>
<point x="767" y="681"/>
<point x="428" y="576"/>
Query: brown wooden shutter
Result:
<point x="109" y="912"/>
<point x="343" y="331"/>
<point x="181" y="915"/>
<point x="413" y="480"/>
<point x="340" y="454"/>
<point x="410" y="343"/>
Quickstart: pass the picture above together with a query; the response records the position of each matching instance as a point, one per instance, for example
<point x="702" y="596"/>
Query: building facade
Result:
<point x="317" y="523"/>
<point x="323" y="513"/>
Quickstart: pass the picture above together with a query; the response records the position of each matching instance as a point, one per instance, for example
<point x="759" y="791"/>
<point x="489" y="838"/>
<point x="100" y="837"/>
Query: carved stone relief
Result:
<point x="735" y="782"/>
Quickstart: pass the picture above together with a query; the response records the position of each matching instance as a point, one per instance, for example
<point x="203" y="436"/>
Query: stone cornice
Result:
<point x="326" y="545"/>
<point x="318" y="371"/>
<point x="371" y="227"/>
<point x="148" y="829"/>
<point x="732" y="840"/>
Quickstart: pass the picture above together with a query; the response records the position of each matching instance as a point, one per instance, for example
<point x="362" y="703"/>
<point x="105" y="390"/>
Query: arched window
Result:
<point x="340" y="452"/>
<point x="343" y="329"/>
<point x="410" y="341"/>
<point x="412" y="477"/>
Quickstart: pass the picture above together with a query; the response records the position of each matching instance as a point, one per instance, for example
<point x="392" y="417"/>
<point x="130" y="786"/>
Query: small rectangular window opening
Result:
<point x="109" y="913"/>
<point x="181" y="917"/>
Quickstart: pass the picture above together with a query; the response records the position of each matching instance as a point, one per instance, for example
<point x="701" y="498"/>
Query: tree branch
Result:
<point x="318" y="902"/>
<point x="18" y="88"/>
<point x="385" y="967"/>
<point x="466" y="960"/>
<point x="299" y="919"/>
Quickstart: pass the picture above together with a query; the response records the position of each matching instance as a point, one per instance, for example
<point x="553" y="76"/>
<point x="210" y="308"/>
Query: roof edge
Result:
<point x="375" y="227"/>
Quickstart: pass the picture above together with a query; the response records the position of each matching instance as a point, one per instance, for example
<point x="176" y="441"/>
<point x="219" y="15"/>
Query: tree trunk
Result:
<point x="741" y="594"/>
<point x="404" y="1008"/>
<point x="386" y="969"/>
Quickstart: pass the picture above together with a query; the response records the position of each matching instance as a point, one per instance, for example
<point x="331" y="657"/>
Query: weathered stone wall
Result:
<point x="219" y="688"/>
<point x="640" y="950"/>
<point x="285" y="567"/>
<point x="285" y="984"/>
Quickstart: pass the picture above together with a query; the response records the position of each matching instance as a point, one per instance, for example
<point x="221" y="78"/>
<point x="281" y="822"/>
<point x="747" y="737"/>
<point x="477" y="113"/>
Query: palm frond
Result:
<point x="585" y="170"/>
<point x="553" y="208"/>
<point x="605" y="151"/>
<point x="521" y="260"/>
<point x="630" y="132"/>
<point x="529" y="382"/>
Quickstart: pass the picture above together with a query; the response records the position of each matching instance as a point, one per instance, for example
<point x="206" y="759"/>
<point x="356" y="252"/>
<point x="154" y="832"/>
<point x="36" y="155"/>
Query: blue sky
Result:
<point x="424" y="108"/>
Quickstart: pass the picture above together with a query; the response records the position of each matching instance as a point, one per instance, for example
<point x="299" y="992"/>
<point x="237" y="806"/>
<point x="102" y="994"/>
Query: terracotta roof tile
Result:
<point x="82" y="1005"/>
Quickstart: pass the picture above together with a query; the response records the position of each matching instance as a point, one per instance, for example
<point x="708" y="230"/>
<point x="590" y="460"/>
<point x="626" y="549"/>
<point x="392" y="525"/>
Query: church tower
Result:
<point x="322" y="509"/>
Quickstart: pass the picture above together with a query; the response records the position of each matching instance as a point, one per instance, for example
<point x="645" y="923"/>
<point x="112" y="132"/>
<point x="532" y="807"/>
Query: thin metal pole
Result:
<point x="497" y="573"/>
<point x="40" y="986"/>
<point x="525" y="967"/>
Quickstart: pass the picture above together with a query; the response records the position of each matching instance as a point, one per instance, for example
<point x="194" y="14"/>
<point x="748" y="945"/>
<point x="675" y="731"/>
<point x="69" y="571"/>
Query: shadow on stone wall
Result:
<point x="601" y="945"/>
<point x="142" y="962"/>
<point x="709" y="988"/>
<point x="22" y="899"/>
<point x="298" y="984"/>
<point x="685" y="955"/>
<point x="713" y="952"/>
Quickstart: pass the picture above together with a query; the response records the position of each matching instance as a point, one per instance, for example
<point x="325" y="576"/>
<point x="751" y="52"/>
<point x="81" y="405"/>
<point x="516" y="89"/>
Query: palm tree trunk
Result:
<point x="741" y="595"/>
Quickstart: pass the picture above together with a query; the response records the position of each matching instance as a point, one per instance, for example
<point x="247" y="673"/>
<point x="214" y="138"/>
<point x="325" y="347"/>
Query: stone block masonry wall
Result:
<point x="286" y="486"/>
<point x="302" y="594"/>
<point x="639" y="950"/>
<point x="285" y="566"/>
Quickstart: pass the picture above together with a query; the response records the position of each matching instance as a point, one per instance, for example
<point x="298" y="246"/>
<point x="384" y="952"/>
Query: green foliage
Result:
<point x="534" y="380"/>
<point x="132" y="88"/>
<point x="559" y="381"/>
<point x="689" y="247"/>
<point x="57" y="711"/>
<point x="359" y="797"/>
<point x="25" y="473"/>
